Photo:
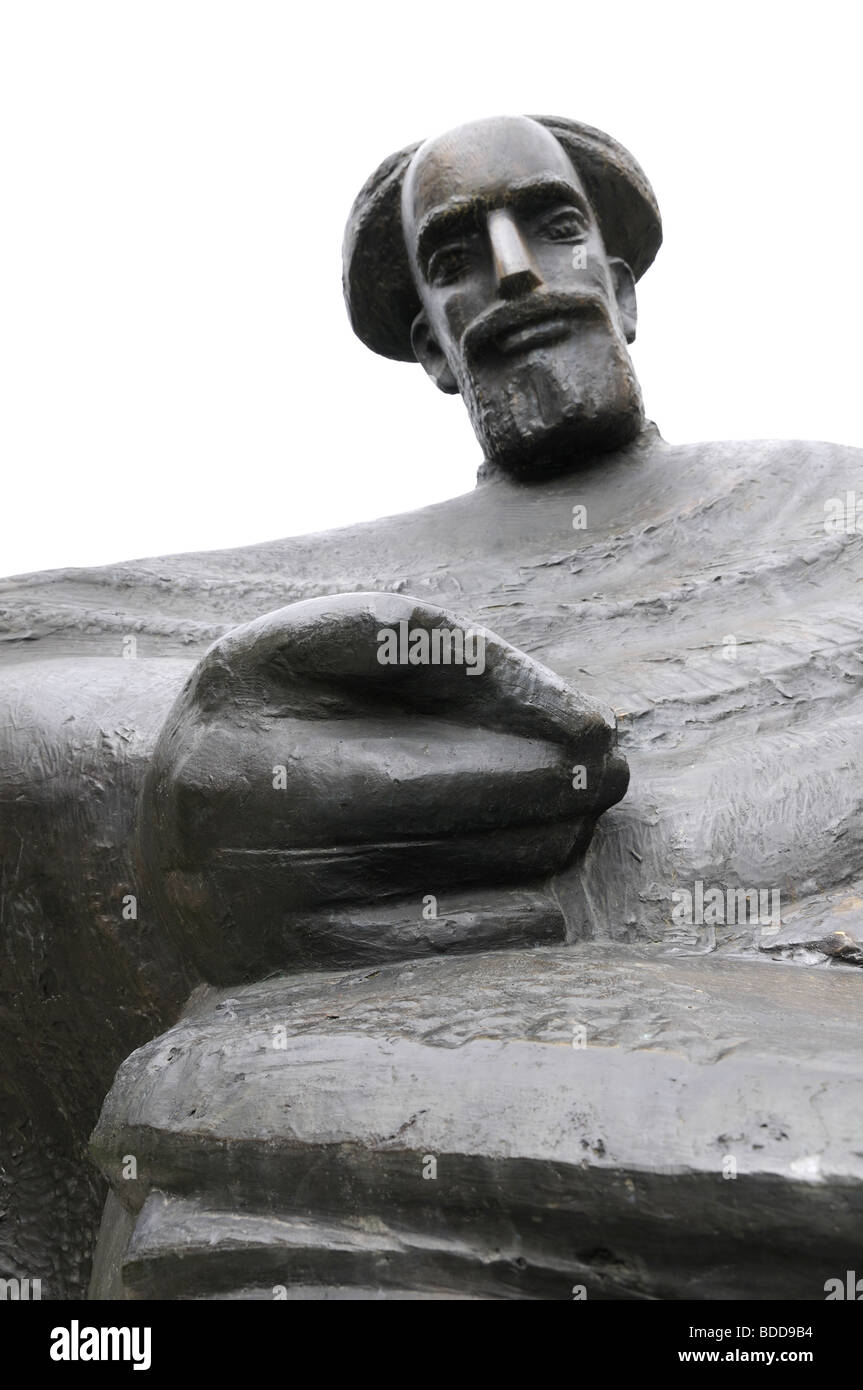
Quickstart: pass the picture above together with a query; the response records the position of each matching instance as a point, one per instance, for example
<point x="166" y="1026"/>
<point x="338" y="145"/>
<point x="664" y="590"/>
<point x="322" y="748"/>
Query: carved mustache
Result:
<point x="483" y="332"/>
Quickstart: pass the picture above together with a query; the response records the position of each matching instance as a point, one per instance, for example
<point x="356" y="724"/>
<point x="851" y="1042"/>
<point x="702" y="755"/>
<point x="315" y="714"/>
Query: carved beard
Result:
<point x="544" y="410"/>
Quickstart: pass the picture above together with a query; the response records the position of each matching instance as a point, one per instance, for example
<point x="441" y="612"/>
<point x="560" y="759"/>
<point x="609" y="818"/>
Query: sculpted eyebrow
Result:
<point x="456" y="219"/>
<point x="547" y="188"/>
<point x="462" y="215"/>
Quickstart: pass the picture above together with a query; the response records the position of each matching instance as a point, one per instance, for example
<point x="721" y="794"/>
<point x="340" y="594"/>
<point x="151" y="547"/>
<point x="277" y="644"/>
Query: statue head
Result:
<point x="503" y="257"/>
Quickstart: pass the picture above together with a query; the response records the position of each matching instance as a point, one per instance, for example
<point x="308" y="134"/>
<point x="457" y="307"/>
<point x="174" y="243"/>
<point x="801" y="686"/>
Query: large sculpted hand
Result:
<point x="357" y="750"/>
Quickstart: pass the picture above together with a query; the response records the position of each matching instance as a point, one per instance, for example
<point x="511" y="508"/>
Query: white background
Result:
<point x="176" y="364"/>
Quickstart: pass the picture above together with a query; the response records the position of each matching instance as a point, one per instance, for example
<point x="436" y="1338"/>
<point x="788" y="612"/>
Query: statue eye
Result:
<point x="448" y="263"/>
<point x="568" y="224"/>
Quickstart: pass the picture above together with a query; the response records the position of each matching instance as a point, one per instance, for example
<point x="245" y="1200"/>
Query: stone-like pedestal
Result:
<point x="508" y="1125"/>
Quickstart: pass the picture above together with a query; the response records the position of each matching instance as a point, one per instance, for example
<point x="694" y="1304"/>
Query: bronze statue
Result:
<point x="353" y="756"/>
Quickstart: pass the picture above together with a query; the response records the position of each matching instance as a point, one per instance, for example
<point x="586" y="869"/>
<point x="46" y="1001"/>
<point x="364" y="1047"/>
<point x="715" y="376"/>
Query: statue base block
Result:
<point x="549" y="1123"/>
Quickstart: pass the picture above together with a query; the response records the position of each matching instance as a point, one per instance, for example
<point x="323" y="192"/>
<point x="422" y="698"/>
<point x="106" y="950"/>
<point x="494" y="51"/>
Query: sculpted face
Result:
<point x="523" y="312"/>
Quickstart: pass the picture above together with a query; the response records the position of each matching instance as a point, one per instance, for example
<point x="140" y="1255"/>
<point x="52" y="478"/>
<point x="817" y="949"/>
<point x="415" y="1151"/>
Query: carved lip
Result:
<point x="531" y="335"/>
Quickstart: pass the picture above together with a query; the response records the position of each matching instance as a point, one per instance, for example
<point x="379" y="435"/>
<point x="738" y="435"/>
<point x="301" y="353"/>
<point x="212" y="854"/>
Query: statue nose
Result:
<point x="514" y="267"/>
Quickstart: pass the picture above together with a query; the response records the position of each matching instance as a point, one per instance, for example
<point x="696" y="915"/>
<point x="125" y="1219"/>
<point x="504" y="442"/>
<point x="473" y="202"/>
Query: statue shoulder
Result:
<point x="803" y="465"/>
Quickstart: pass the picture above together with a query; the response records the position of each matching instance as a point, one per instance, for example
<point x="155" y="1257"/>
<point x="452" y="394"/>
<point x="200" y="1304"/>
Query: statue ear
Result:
<point x="430" y="356"/>
<point x="623" y="281"/>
